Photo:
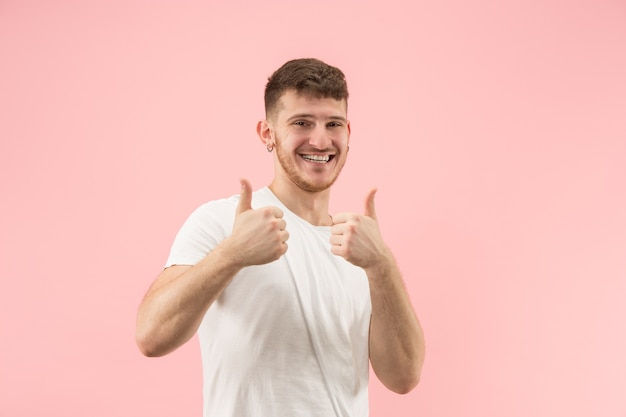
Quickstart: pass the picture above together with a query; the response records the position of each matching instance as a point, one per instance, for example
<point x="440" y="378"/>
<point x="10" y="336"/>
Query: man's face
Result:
<point x="311" y="140"/>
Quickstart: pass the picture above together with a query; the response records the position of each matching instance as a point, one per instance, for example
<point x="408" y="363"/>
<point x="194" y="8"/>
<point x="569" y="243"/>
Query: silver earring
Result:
<point x="270" y="148"/>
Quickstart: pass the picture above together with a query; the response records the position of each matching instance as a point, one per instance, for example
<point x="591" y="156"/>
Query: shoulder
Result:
<point x="202" y="231"/>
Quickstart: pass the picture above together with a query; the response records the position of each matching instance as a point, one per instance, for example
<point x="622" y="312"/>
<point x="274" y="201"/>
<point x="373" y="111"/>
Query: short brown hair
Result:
<point x="307" y="76"/>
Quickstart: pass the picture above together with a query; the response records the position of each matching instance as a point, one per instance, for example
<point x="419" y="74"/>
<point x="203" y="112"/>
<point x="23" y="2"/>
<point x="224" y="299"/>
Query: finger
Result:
<point x="341" y="217"/>
<point x="339" y="228"/>
<point x="272" y="211"/>
<point x="337" y="250"/>
<point x="245" y="198"/>
<point x="278" y="213"/>
<point x="370" y="207"/>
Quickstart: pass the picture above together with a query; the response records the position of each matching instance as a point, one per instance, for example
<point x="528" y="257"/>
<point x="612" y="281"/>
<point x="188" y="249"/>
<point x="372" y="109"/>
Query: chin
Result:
<point x="314" y="187"/>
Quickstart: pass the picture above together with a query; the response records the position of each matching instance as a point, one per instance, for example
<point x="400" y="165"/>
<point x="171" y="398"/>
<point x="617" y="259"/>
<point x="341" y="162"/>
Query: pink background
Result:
<point x="495" y="131"/>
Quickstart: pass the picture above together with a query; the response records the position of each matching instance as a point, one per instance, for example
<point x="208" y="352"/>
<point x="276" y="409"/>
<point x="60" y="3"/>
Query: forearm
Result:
<point x="396" y="337"/>
<point x="174" y="306"/>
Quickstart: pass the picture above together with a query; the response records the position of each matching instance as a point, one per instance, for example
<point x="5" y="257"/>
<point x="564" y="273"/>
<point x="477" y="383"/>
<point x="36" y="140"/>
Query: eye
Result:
<point x="334" y="124"/>
<point x="300" y="123"/>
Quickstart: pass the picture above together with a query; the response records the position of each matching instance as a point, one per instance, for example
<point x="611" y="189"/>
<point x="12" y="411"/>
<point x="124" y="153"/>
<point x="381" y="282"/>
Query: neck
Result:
<point x="310" y="206"/>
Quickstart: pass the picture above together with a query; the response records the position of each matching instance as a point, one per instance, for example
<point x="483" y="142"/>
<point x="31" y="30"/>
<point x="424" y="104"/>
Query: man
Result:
<point x="290" y="303"/>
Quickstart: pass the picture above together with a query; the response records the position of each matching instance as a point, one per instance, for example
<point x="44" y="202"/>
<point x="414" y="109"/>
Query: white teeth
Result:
<point x="316" y="158"/>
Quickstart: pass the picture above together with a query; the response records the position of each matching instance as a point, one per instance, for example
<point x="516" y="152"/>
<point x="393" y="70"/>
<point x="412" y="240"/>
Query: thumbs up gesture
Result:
<point x="260" y="235"/>
<point x="356" y="237"/>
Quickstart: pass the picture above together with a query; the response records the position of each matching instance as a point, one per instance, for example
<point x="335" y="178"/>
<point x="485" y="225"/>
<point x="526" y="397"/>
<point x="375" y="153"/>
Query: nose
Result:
<point x="320" y="139"/>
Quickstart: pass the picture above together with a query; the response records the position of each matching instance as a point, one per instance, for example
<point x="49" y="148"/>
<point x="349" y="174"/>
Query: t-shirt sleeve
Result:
<point x="205" y="228"/>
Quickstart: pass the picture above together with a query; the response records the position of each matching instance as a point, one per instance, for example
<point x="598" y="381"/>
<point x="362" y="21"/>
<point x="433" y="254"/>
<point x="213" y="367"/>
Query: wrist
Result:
<point x="381" y="266"/>
<point x="228" y="255"/>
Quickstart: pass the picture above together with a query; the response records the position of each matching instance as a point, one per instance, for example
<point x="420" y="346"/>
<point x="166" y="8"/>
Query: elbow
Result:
<point x="145" y="347"/>
<point x="405" y="385"/>
<point x="147" y="344"/>
<point x="153" y="344"/>
<point x="406" y="381"/>
<point x="402" y="381"/>
<point x="147" y="350"/>
<point x="149" y="337"/>
<point x="153" y="339"/>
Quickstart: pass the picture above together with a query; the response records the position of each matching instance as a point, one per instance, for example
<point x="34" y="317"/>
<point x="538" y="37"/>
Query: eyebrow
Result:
<point x="310" y="116"/>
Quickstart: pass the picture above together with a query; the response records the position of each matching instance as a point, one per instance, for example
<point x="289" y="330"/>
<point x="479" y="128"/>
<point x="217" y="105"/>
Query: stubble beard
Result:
<point x="288" y="166"/>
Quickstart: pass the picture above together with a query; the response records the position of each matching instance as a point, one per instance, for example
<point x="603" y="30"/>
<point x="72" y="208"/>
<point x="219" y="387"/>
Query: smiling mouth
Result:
<point x="320" y="159"/>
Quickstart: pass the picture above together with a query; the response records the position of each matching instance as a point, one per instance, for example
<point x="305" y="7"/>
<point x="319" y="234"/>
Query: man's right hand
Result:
<point x="259" y="235"/>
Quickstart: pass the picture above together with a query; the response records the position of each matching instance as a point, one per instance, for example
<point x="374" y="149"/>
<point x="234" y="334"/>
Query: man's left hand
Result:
<point x="356" y="237"/>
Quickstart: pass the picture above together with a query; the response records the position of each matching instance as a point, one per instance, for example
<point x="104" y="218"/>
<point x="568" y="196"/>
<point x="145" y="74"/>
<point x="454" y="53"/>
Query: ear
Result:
<point x="348" y="125"/>
<point x="265" y="132"/>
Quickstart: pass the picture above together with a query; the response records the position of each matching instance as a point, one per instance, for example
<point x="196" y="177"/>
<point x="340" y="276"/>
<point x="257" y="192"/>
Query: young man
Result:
<point x="290" y="303"/>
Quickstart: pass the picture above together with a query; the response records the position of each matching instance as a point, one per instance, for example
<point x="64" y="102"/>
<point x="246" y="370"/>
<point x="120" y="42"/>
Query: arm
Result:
<point x="396" y="337"/>
<point x="175" y="304"/>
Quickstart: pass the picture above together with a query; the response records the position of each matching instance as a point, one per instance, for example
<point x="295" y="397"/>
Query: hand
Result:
<point x="260" y="235"/>
<point x="357" y="237"/>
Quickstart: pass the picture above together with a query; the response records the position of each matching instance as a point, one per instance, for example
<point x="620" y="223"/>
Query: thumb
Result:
<point x="370" y="208"/>
<point x="245" y="199"/>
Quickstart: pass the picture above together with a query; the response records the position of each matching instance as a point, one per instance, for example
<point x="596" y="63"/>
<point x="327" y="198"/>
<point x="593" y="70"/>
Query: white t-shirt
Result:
<point x="289" y="338"/>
